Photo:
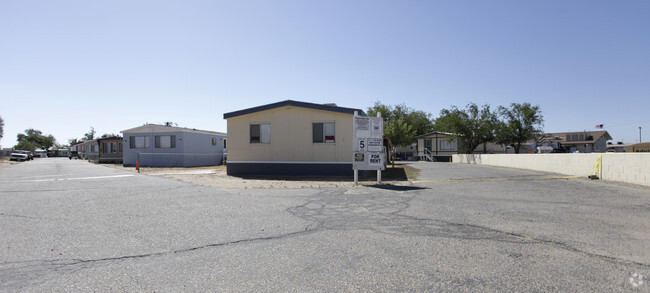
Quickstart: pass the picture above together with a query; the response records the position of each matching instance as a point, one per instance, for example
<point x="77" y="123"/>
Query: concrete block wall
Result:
<point x="624" y="167"/>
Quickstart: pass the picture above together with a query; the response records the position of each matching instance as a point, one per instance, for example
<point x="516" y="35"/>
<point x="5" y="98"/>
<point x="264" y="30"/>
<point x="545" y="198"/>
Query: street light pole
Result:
<point x="639" y="134"/>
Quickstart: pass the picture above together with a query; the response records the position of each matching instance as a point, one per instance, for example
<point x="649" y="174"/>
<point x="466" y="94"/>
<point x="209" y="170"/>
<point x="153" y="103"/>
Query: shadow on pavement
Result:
<point x="397" y="187"/>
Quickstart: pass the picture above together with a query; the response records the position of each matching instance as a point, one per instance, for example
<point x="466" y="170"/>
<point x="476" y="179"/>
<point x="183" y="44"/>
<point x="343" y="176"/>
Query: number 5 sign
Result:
<point x="361" y="145"/>
<point x="368" y="143"/>
<point x="368" y="150"/>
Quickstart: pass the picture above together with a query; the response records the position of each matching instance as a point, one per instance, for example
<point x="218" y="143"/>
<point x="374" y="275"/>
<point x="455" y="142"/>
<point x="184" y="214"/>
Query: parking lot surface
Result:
<point x="76" y="226"/>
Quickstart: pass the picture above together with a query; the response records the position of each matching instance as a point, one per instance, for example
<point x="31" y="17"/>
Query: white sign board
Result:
<point x="368" y="161"/>
<point x="361" y="126"/>
<point x="375" y="160"/>
<point x="368" y="145"/>
<point x="377" y="127"/>
<point x="375" y="144"/>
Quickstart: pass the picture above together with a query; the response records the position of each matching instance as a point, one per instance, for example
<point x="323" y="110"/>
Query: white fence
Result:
<point x="624" y="167"/>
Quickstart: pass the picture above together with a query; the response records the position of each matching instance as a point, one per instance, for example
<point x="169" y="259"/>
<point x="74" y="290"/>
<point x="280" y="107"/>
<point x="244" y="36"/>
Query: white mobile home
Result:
<point x="166" y="146"/>
<point x="291" y="138"/>
<point x="89" y="150"/>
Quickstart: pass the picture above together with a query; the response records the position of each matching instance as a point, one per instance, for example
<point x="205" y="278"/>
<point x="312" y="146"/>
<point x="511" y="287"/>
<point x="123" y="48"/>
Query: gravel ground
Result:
<point x="215" y="176"/>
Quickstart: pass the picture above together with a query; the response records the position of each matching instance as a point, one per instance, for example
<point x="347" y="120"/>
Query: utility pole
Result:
<point x="640" y="134"/>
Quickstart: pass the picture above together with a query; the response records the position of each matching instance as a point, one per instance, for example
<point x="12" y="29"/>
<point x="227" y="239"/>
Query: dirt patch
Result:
<point x="4" y="162"/>
<point x="400" y="172"/>
<point x="411" y="173"/>
<point x="215" y="176"/>
<point x="159" y="170"/>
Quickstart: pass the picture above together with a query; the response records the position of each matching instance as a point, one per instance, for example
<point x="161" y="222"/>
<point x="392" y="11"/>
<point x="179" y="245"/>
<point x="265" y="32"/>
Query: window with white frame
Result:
<point x="324" y="132"/>
<point x="165" y="141"/>
<point x="447" y="145"/>
<point x="260" y="133"/>
<point x="139" y="142"/>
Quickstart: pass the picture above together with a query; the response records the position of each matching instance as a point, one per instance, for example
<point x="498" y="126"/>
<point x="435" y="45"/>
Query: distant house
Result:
<point x="617" y="148"/>
<point x="643" y="147"/>
<point x="436" y="146"/>
<point x="571" y="142"/>
<point x="440" y="146"/>
<point x="89" y="150"/>
<point x="166" y="146"/>
<point x="291" y="138"/>
<point x="110" y="150"/>
<point x="40" y="153"/>
<point x="58" y="152"/>
<point x="76" y="147"/>
<point x="409" y="152"/>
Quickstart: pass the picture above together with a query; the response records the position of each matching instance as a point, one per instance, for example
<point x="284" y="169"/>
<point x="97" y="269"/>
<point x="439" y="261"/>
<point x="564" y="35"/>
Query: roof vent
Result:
<point x="330" y="104"/>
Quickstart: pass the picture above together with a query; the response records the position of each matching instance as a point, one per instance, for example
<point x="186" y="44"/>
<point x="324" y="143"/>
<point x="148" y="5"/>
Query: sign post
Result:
<point x="368" y="145"/>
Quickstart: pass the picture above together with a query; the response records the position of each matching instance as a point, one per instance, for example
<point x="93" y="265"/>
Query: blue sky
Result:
<point x="114" y="65"/>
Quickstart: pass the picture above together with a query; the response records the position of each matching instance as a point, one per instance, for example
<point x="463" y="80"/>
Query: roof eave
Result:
<point x="295" y="104"/>
<point x="434" y="132"/>
<point x="173" y="129"/>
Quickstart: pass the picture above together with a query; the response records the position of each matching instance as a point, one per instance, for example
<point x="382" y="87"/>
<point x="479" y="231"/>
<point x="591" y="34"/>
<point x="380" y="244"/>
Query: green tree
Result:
<point x="471" y="127"/>
<point x="421" y="121"/>
<point x="401" y="123"/>
<point x="90" y="135"/>
<point x="109" y="135"/>
<point x="399" y="132"/>
<point x="2" y="127"/>
<point x="47" y="142"/>
<point x="73" y="141"/>
<point x="169" y="123"/>
<point x="26" y="146"/>
<point x="385" y="110"/>
<point x="519" y="123"/>
<point x="33" y="139"/>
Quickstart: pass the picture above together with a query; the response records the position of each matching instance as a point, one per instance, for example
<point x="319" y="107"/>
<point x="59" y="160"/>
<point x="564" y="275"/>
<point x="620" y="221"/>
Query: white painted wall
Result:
<point x="624" y="167"/>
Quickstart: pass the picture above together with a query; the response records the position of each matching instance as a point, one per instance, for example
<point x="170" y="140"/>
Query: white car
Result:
<point x="18" y="156"/>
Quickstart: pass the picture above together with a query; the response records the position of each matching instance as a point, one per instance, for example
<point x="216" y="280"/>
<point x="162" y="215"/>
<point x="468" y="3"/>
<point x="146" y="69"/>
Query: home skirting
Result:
<point x="289" y="169"/>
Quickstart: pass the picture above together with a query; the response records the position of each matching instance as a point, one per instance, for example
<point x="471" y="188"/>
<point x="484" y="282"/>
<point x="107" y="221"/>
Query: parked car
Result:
<point x="18" y="156"/>
<point x="30" y="155"/>
<point x="73" y="154"/>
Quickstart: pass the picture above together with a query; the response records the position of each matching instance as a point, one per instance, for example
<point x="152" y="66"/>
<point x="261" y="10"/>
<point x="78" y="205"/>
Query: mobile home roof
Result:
<point x="295" y="104"/>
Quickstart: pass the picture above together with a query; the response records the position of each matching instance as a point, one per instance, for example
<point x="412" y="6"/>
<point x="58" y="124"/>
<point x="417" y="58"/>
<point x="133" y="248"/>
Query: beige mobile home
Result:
<point x="440" y="146"/>
<point x="436" y="146"/>
<point x="291" y="138"/>
<point x="638" y="148"/>
<point x="580" y="142"/>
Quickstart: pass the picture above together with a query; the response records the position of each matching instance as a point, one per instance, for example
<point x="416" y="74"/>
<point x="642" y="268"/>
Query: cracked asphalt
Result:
<point x="79" y="227"/>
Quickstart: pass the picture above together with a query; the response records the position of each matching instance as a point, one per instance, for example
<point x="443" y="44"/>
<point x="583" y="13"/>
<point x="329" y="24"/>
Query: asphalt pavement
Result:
<point x="68" y="225"/>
